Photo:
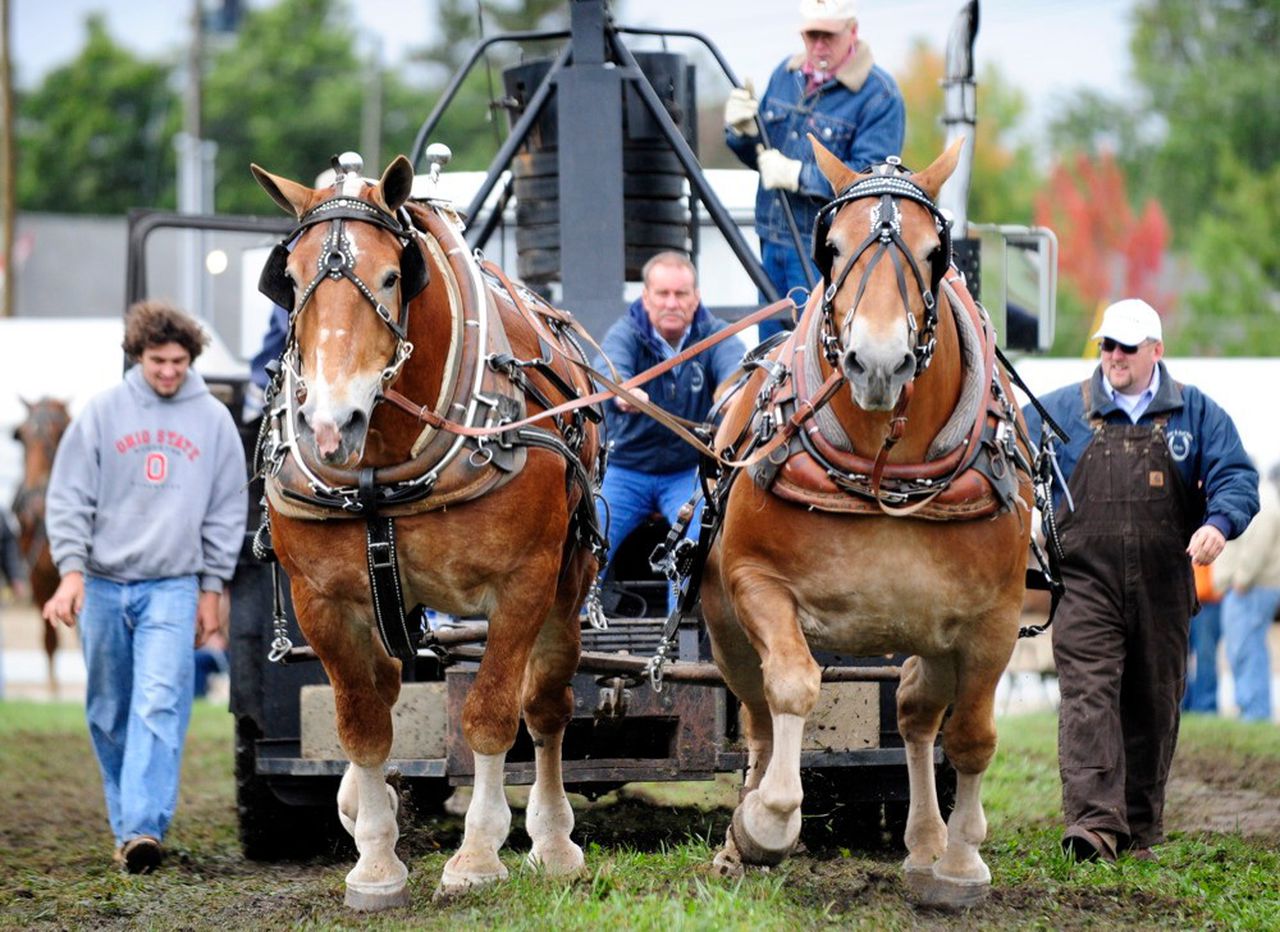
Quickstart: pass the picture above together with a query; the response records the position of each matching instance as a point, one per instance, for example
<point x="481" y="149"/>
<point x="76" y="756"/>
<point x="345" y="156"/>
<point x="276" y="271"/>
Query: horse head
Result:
<point x="882" y="247"/>
<point x="46" y="422"/>
<point x="347" y="274"/>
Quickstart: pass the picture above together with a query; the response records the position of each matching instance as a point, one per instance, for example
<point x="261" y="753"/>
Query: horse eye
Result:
<point x="390" y="279"/>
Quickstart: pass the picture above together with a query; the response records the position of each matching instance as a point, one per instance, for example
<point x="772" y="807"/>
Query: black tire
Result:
<point x="660" y="160"/>
<point x="273" y="830"/>
<point x="543" y="265"/>
<point x="633" y="185"/>
<point x="531" y="212"/>
<point x="661" y="235"/>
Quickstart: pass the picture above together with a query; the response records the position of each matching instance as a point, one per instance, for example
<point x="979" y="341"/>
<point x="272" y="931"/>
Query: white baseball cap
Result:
<point x="1130" y="321"/>
<point x="826" y="15"/>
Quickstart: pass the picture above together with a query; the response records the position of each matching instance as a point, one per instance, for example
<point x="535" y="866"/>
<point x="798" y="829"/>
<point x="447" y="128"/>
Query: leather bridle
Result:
<point x="889" y="184"/>
<point x="337" y="261"/>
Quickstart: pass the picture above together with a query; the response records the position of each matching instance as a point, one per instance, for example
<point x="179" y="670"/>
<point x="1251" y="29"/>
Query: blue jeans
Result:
<point x="1202" y="684"/>
<point x="783" y="266"/>
<point x="137" y="640"/>
<point x="1246" y="616"/>
<point x="633" y="495"/>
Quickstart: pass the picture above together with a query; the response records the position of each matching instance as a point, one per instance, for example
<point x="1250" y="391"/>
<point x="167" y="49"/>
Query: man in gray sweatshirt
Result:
<point x="146" y="513"/>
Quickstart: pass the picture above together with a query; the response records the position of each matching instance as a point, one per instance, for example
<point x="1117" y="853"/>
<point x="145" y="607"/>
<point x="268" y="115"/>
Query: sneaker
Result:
<point x="142" y="855"/>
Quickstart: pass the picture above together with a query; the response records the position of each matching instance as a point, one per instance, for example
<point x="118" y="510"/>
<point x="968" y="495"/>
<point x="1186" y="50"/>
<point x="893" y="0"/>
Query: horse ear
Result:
<point x="26" y="404"/>
<point x="292" y="197"/>
<point x="835" y="171"/>
<point x="396" y="184"/>
<point x="935" y="176"/>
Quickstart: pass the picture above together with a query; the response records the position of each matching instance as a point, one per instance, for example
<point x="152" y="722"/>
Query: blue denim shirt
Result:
<point x="858" y="115"/>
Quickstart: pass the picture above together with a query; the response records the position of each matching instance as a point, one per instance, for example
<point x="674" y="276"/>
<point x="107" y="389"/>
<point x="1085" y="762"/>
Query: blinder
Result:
<point x="274" y="282"/>
<point x="414" y="276"/>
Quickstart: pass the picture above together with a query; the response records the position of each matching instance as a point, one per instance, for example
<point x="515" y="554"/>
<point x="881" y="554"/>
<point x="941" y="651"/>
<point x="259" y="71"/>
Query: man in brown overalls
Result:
<point x="1159" y="480"/>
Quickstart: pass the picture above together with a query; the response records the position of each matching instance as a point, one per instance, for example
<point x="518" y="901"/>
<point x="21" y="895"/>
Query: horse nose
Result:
<point x="334" y="434"/>
<point x="877" y="378"/>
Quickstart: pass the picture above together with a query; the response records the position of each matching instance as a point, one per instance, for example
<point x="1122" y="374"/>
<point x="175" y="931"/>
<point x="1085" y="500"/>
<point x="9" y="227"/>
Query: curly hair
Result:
<point x="155" y="323"/>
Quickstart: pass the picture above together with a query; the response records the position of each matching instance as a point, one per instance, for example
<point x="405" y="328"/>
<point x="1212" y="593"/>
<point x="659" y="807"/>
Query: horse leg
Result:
<point x="490" y="718"/>
<point x="740" y="665"/>
<point x="366" y="684"/>
<point x="959" y="877"/>
<point x="969" y="740"/>
<point x="766" y="823"/>
<point x="548" y="707"/>
<point x="923" y="694"/>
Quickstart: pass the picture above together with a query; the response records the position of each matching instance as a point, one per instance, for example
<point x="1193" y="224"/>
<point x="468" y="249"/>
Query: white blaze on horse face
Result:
<point x="877" y="358"/>
<point x="338" y="401"/>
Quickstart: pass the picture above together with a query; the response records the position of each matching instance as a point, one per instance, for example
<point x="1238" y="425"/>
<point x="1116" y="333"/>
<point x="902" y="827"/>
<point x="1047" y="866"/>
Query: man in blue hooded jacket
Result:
<point x="1159" y="480"/>
<point x="650" y="469"/>
<point x="834" y="90"/>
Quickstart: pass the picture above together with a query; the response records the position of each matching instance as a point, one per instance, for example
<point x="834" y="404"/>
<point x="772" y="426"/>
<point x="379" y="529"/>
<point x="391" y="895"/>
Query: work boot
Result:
<point x="142" y="855"/>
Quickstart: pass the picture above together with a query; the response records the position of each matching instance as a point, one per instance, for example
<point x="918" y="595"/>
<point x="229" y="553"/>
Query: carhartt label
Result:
<point x="1155" y="479"/>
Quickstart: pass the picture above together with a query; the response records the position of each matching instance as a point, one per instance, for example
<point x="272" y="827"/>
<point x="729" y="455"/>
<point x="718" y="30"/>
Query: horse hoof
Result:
<point x="564" y="860"/>
<point x="370" y="899"/>
<point x="926" y="888"/>
<point x="748" y="850"/>
<point x="455" y="882"/>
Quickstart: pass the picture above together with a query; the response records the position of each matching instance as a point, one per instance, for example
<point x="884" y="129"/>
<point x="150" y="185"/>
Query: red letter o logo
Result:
<point x="157" y="467"/>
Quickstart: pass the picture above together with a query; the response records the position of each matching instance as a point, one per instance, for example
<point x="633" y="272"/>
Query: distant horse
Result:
<point x="39" y="434"/>
<point x="896" y="520"/>
<point x="389" y="304"/>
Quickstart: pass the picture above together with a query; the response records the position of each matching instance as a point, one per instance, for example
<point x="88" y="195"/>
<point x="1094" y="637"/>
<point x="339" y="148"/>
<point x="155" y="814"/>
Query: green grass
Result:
<point x="55" y="870"/>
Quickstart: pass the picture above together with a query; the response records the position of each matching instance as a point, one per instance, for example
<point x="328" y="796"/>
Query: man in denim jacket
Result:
<point x="833" y="90"/>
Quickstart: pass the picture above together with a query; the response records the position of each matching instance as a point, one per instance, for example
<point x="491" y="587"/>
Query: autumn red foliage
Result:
<point x="1107" y="252"/>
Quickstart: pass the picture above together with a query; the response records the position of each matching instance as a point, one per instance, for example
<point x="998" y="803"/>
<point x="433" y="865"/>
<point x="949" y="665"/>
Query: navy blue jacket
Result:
<point x="1202" y="441"/>
<point x="858" y="115"/>
<point x="640" y="442"/>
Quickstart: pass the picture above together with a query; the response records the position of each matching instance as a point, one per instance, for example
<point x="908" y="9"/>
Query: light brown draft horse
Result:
<point x="510" y="554"/>
<point x="39" y="434"/>
<point x="820" y="569"/>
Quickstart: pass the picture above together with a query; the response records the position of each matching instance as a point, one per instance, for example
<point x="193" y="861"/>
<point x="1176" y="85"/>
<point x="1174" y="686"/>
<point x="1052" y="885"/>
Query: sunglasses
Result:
<point x="817" y="35"/>
<point x="1110" y="346"/>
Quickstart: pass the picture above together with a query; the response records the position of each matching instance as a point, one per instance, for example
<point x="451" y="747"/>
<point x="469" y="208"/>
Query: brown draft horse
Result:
<point x="509" y="554"/>
<point x="39" y="434"/>
<point x="789" y="575"/>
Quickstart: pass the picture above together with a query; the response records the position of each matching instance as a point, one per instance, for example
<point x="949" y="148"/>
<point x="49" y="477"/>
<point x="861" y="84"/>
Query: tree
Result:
<point x="1237" y="249"/>
<point x="469" y="126"/>
<point x="1107" y="251"/>
<point x="285" y="94"/>
<point x="1209" y="71"/>
<point x="95" y="136"/>
<point x="1005" y="180"/>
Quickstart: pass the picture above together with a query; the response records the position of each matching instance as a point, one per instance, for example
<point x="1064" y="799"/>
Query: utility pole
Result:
<point x="195" y="169"/>
<point x="9" y="188"/>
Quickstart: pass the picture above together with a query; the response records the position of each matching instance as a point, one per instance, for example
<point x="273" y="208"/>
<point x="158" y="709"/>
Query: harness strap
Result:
<point x="384" y="574"/>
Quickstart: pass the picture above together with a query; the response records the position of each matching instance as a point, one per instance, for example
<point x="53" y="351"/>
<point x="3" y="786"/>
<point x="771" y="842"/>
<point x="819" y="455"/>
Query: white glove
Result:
<point x="778" y="171"/>
<point x="740" y="110"/>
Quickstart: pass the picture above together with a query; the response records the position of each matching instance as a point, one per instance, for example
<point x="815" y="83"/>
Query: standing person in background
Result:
<point x="12" y="570"/>
<point x="1249" y="574"/>
<point x="834" y="90"/>
<point x="146" y="514"/>
<point x="650" y="469"/>
<point x="1206" y="632"/>
<point x="1160" y="481"/>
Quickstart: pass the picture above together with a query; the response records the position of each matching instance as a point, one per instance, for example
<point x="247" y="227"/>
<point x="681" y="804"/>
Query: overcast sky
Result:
<point x="1040" y="45"/>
